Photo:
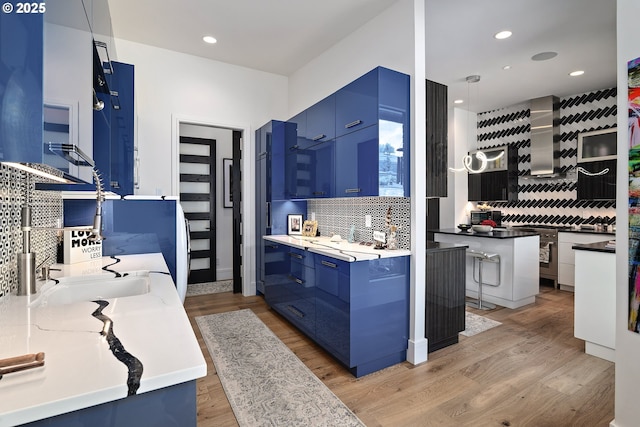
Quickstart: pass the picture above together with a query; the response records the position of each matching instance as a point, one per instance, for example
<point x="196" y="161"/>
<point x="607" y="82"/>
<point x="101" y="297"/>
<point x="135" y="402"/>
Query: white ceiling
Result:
<point x="280" y="36"/>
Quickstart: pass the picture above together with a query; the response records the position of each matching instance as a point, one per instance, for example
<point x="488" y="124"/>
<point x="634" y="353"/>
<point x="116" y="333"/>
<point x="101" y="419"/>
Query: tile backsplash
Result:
<point x="15" y="188"/>
<point x="335" y="216"/>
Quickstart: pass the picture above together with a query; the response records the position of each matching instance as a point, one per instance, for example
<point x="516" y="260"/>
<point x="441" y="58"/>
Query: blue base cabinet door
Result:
<point x="362" y="311"/>
<point x="291" y="293"/>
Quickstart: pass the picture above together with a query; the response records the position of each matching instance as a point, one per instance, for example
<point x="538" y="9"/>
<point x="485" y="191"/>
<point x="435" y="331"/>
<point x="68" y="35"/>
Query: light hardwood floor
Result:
<point x="529" y="371"/>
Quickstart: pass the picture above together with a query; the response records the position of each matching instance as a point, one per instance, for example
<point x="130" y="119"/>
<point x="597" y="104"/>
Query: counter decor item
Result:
<point x="464" y="227"/>
<point x="479" y="228"/>
<point x="392" y="240"/>
<point x="489" y="222"/>
<point x="310" y="228"/>
<point x="294" y="224"/>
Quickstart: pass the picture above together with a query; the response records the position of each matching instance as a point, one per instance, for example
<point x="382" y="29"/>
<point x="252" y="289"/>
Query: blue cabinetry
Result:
<point x="270" y="188"/>
<point x="21" y="102"/>
<point x="357" y="311"/>
<point x="370" y="152"/>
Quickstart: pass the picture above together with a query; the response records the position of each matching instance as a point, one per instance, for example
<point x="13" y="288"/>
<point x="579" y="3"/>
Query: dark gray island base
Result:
<point x="445" y="294"/>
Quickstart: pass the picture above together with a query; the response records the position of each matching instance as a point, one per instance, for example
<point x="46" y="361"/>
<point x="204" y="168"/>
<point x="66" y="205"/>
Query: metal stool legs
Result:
<point x="482" y="257"/>
<point x="479" y="304"/>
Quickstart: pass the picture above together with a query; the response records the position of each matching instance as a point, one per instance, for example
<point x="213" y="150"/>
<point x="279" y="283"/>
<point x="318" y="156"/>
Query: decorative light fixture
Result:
<point x="467" y="160"/>
<point x="583" y="171"/>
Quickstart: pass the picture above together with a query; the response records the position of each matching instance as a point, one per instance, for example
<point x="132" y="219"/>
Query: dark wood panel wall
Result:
<point x="445" y="297"/>
<point x="437" y="127"/>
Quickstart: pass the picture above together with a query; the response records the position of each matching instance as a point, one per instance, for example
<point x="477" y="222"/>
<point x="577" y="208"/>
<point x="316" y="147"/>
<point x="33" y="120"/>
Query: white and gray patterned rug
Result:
<point x="474" y="324"/>
<point x="209" y="287"/>
<point x="266" y="384"/>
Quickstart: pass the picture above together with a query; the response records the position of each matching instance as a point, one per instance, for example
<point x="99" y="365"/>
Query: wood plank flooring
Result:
<point x="529" y="371"/>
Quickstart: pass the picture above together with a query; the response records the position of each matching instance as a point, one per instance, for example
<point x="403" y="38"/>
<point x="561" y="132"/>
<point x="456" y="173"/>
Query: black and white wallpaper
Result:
<point x="15" y="188"/>
<point x="544" y="200"/>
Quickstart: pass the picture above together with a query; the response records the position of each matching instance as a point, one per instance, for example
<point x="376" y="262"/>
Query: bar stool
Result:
<point x="482" y="257"/>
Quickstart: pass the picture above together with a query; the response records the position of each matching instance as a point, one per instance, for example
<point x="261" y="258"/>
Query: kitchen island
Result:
<point x="512" y="283"/>
<point x="85" y="379"/>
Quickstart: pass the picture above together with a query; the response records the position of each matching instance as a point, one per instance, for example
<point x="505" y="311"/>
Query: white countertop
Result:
<point x="80" y="370"/>
<point x="342" y="250"/>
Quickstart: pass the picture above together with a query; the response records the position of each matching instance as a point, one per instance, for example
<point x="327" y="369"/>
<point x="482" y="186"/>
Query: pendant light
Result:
<point x="467" y="160"/>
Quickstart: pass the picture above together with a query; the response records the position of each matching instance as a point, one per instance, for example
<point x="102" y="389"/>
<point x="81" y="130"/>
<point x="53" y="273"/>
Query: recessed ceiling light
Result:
<point x="576" y="73"/>
<point x="502" y="35"/>
<point x="209" y="39"/>
<point x="543" y="56"/>
<point x="458" y="101"/>
<point x="506" y="67"/>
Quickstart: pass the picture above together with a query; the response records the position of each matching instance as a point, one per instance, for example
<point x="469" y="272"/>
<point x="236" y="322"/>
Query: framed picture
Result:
<point x="294" y="224"/>
<point x="227" y="183"/>
<point x="309" y="228"/>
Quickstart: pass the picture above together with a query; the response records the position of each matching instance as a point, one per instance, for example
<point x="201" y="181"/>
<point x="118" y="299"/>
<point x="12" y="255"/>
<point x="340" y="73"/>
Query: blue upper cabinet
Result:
<point x="357" y="104"/>
<point x="321" y="121"/>
<point x="372" y="154"/>
<point x="366" y="153"/>
<point x="113" y="136"/>
<point x="21" y="74"/>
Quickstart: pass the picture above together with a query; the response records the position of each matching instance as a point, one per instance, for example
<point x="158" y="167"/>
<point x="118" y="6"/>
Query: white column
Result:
<point x="417" y="351"/>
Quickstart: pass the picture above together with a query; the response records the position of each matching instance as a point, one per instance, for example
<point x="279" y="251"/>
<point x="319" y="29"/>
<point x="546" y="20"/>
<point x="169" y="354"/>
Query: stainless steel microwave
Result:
<point x="478" y="216"/>
<point x="597" y="145"/>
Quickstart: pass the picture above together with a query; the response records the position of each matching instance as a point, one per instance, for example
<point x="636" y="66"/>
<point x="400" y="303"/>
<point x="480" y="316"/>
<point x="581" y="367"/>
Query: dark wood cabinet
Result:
<point x="437" y="127"/>
<point x="496" y="183"/>
<point x="445" y="295"/>
<point x="597" y="187"/>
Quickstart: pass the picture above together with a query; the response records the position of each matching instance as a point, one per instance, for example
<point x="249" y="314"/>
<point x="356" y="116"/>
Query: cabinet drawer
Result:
<point x="332" y="277"/>
<point x="301" y="256"/>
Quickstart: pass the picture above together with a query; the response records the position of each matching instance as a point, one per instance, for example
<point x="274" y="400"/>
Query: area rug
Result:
<point x="209" y="287"/>
<point x="474" y="324"/>
<point x="266" y="384"/>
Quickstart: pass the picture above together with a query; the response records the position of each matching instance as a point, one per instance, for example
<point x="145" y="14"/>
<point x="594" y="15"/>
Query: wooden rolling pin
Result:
<point x="20" y="363"/>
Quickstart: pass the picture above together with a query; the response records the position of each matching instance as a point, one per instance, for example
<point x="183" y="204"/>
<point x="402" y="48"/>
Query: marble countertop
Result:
<point x="495" y="234"/>
<point x="80" y="369"/>
<point x="343" y="250"/>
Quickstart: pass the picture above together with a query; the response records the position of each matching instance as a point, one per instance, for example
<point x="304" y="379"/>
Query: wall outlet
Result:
<point x="367" y="221"/>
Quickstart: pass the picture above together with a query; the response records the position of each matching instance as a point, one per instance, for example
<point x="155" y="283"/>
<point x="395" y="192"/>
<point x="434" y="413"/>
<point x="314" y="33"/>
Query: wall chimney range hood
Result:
<point x="545" y="137"/>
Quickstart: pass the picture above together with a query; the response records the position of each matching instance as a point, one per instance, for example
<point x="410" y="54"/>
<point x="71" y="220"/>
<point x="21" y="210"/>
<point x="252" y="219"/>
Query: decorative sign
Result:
<point x="633" y="69"/>
<point x="78" y="247"/>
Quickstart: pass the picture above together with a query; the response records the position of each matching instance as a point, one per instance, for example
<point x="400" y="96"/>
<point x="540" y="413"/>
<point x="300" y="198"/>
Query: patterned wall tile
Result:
<point x="551" y="201"/>
<point x="335" y="216"/>
<point x="15" y="188"/>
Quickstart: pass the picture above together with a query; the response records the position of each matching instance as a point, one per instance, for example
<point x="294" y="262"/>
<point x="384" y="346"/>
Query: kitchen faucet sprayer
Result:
<point x="27" y="258"/>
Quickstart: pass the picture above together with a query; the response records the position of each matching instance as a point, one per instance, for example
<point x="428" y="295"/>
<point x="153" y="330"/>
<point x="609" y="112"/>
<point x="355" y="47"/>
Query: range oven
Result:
<point x="548" y="249"/>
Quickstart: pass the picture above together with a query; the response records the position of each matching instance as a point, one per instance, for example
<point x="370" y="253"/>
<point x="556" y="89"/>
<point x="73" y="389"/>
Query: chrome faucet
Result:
<point x="27" y="258"/>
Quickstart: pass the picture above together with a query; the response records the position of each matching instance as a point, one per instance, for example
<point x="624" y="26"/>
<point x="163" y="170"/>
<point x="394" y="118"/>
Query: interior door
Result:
<point x="198" y="198"/>
<point x="236" y="197"/>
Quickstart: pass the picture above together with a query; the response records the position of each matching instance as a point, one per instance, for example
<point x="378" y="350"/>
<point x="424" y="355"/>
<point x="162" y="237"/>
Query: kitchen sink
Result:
<point x="68" y="290"/>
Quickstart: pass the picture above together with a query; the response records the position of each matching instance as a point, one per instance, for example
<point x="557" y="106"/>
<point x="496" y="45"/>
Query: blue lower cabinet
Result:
<point x="291" y="293"/>
<point x="362" y="311"/>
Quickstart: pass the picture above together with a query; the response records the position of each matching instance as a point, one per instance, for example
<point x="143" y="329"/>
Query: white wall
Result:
<point x="170" y="84"/>
<point x="387" y="40"/>
<point x="627" y="343"/>
<point x="172" y="87"/>
<point x="463" y="132"/>
<point x="224" y="216"/>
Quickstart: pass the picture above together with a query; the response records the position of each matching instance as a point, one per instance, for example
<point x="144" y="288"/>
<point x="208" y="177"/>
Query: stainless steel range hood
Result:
<point x="545" y="137"/>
